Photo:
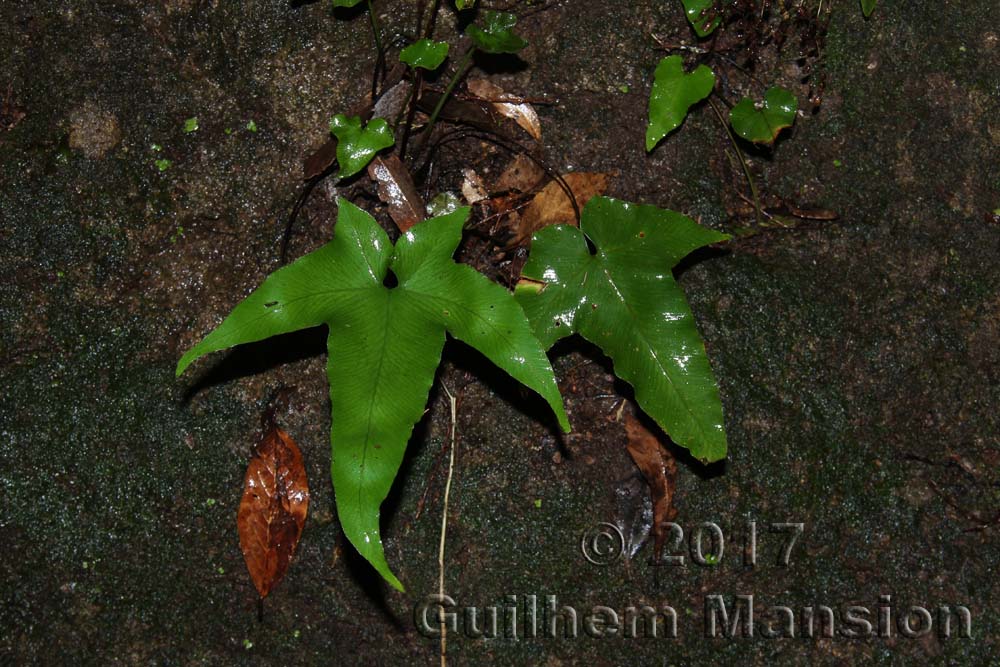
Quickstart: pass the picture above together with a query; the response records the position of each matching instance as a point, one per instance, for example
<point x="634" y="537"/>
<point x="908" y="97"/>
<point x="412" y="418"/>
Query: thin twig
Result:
<point x="444" y="528"/>
<point x="462" y="67"/>
<point x="739" y="154"/>
<point x="380" y="55"/>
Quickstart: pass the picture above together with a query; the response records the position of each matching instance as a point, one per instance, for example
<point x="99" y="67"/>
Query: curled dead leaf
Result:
<point x="397" y="190"/>
<point x="551" y="206"/>
<point x="507" y="105"/>
<point x="273" y="509"/>
<point x="659" y="468"/>
<point x="522" y="174"/>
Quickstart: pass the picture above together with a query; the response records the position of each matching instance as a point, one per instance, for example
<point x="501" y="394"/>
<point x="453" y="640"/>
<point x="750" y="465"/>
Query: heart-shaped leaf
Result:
<point x="356" y="146"/>
<point x="496" y="35"/>
<point x="384" y="345"/>
<point x="425" y="53"/>
<point x="674" y="92"/>
<point x="868" y="6"/>
<point x="624" y="299"/>
<point x="762" y="125"/>
<point x="702" y="16"/>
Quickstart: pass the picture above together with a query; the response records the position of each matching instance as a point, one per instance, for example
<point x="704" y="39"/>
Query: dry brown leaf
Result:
<point x="475" y="113"/>
<point x="523" y="175"/>
<point x="511" y="106"/>
<point x="472" y="186"/>
<point x="273" y="509"/>
<point x="660" y="470"/>
<point x="396" y="188"/>
<point x="551" y="206"/>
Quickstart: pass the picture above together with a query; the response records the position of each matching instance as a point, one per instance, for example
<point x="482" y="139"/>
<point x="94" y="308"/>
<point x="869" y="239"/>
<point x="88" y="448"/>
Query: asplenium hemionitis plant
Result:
<point x="388" y="308"/>
<point x="769" y="39"/>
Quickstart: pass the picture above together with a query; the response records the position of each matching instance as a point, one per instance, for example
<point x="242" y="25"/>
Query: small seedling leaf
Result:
<point x="464" y="4"/>
<point x="761" y="126"/>
<point x="624" y="299"/>
<point x="384" y="345"/>
<point x="674" y="92"/>
<point x="702" y="16"/>
<point x="496" y="34"/>
<point x="425" y="53"/>
<point x="346" y="3"/>
<point x="868" y="6"/>
<point x="356" y="146"/>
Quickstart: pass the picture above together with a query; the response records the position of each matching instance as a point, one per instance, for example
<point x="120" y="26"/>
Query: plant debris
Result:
<point x="274" y="506"/>
<point x="659" y="468"/>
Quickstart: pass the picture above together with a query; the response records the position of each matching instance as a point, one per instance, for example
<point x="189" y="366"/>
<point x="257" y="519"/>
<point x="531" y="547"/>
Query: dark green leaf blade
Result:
<point x="868" y="6"/>
<point x="674" y="92"/>
<point x="625" y="300"/>
<point x="425" y="53"/>
<point x="384" y="345"/>
<point x="356" y="146"/>
<point x="761" y="126"/>
<point x="496" y="34"/>
<point x="701" y="15"/>
<point x="472" y="308"/>
<point x="345" y="3"/>
<point x="381" y="366"/>
<point x="307" y="292"/>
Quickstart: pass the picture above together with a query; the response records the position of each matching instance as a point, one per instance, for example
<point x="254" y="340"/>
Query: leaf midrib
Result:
<point x="642" y="333"/>
<point x="371" y="404"/>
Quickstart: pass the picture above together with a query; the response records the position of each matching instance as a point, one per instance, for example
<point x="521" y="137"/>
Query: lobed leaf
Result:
<point x="425" y="53"/>
<point x="761" y="126"/>
<point x="702" y="16"/>
<point x="496" y="34"/>
<point x="356" y="146"/>
<point x="674" y="92"/>
<point x="624" y="299"/>
<point x="384" y="345"/>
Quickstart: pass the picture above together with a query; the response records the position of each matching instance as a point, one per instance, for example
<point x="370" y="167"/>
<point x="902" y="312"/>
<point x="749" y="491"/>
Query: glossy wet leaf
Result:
<point x="702" y="15"/>
<point x="625" y="300"/>
<point x="762" y="125"/>
<point x="868" y="6"/>
<point x="425" y="53"/>
<point x="357" y="145"/>
<point x="509" y="106"/>
<point x="659" y="469"/>
<point x="398" y="191"/>
<point x="273" y="509"/>
<point x="384" y="345"/>
<point x="674" y="92"/>
<point x="496" y="34"/>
